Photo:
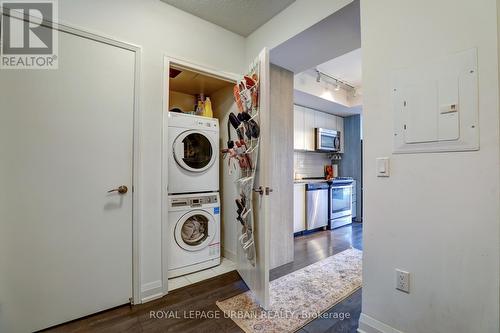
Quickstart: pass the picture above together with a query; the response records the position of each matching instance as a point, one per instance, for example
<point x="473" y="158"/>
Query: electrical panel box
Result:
<point x="436" y="106"/>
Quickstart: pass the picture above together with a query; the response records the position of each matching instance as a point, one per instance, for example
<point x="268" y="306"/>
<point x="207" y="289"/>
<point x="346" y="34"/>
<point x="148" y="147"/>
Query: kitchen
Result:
<point x="327" y="146"/>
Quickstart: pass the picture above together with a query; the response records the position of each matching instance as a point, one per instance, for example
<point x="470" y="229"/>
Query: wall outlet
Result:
<point x="403" y="281"/>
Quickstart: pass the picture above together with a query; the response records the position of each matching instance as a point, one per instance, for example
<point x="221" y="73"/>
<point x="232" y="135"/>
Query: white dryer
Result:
<point x="193" y="154"/>
<point x="193" y="233"/>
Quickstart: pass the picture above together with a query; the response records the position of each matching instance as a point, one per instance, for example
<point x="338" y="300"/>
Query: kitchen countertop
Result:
<point x="309" y="181"/>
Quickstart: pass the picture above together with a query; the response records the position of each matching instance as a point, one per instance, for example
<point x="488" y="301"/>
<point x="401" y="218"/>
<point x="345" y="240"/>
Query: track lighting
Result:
<point x="337" y="83"/>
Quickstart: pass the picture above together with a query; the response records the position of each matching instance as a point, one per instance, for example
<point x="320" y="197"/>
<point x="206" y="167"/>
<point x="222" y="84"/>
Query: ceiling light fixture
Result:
<point x="338" y="84"/>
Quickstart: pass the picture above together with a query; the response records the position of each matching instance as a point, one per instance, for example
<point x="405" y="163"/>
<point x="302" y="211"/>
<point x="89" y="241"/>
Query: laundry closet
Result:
<point x="225" y="152"/>
<point x="201" y="232"/>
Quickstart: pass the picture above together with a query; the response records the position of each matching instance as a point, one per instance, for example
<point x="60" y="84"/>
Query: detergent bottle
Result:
<point x="207" y="112"/>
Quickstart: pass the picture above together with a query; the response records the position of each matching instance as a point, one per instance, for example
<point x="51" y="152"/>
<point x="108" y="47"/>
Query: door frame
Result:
<point x="181" y="62"/>
<point x="136" y="145"/>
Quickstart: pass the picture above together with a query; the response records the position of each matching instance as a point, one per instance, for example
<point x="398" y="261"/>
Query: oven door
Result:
<point x="341" y="201"/>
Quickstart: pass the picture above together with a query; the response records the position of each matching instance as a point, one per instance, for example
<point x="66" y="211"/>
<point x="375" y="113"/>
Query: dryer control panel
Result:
<point x="193" y="201"/>
<point x="192" y="121"/>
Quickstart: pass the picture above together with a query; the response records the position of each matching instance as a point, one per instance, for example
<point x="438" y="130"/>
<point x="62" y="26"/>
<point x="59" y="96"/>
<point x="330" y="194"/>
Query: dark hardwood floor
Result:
<point x="202" y="296"/>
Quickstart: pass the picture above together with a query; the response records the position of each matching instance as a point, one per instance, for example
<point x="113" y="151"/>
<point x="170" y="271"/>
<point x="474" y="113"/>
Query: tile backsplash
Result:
<point x="309" y="164"/>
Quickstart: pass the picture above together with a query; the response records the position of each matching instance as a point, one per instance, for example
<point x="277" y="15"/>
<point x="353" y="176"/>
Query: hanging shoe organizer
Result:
<point x="243" y="153"/>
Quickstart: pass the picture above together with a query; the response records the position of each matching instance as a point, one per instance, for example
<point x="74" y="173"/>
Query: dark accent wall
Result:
<point x="351" y="163"/>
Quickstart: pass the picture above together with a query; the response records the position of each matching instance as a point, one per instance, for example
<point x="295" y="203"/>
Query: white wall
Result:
<point x="159" y="29"/>
<point x="297" y="17"/>
<point x="437" y="216"/>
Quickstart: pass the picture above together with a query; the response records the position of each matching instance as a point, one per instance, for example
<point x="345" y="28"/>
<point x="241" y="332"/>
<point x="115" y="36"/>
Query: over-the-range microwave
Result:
<point x="327" y="139"/>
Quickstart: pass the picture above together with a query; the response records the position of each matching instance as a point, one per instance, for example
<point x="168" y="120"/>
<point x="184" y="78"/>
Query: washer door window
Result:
<point x="193" y="151"/>
<point x="195" y="230"/>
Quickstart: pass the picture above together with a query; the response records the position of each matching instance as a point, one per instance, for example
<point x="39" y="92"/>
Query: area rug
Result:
<point x="299" y="297"/>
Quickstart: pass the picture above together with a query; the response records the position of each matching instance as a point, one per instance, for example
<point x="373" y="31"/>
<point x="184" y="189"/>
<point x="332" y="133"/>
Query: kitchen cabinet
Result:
<point x="299" y="207"/>
<point x="331" y="122"/>
<point x="306" y="120"/>
<point x="322" y="120"/>
<point x="309" y="123"/>
<point x="298" y="128"/>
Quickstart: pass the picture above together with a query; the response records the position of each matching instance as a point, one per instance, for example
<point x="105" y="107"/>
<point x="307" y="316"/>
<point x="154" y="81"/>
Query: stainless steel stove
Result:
<point x="340" y="203"/>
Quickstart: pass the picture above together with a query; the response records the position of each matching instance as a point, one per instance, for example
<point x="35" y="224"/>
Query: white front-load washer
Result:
<point x="193" y="154"/>
<point x="193" y="233"/>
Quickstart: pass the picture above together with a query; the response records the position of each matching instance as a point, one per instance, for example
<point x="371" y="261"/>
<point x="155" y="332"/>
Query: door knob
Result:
<point x="261" y="190"/>
<point x="121" y="189"/>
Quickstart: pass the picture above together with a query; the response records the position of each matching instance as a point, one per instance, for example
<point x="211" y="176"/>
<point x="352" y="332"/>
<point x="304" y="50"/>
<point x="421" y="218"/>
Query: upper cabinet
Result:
<point x="332" y="121"/>
<point x="306" y="120"/>
<point x="321" y="119"/>
<point x="298" y="128"/>
<point x="309" y="123"/>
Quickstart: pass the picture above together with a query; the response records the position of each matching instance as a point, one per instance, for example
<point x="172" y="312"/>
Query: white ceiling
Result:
<point x="330" y="38"/>
<point x="347" y="67"/>
<point x="239" y="16"/>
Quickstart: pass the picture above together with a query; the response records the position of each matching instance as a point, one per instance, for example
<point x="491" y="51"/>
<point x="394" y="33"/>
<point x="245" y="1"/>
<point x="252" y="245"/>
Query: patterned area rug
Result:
<point x="299" y="297"/>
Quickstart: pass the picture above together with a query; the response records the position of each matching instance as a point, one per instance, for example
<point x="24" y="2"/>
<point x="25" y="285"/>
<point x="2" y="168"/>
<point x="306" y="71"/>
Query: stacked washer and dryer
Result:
<point x="193" y="194"/>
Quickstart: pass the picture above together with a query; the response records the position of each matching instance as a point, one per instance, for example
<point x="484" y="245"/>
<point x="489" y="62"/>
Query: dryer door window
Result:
<point x="194" y="151"/>
<point x="195" y="230"/>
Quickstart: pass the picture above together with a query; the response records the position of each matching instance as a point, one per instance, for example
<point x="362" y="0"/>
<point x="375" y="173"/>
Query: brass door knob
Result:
<point x="122" y="189"/>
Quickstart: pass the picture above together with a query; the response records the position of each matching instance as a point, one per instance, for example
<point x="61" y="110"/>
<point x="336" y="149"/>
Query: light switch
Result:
<point x="383" y="167"/>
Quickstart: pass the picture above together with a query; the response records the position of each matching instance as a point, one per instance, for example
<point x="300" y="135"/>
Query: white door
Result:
<point x="66" y="139"/>
<point x="257" y="277"/>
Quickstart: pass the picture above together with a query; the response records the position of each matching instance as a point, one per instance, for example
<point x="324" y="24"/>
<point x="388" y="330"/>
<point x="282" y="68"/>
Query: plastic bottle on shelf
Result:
<point x="199" y="109"/>
<point x="207" y="112"/>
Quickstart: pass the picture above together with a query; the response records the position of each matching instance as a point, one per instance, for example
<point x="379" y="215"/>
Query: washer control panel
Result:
<point x="206" y="124"/>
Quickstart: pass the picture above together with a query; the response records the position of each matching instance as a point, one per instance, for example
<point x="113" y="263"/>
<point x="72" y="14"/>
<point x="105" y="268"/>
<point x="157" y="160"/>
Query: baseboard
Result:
<point x="151" y="291"/>
<point x="229" y="255"/>
<point x="152" y="297"/>
<point x="368" y="324"/>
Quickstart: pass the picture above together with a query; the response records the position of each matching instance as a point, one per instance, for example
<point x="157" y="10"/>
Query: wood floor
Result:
<point x="203" y="295"/>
